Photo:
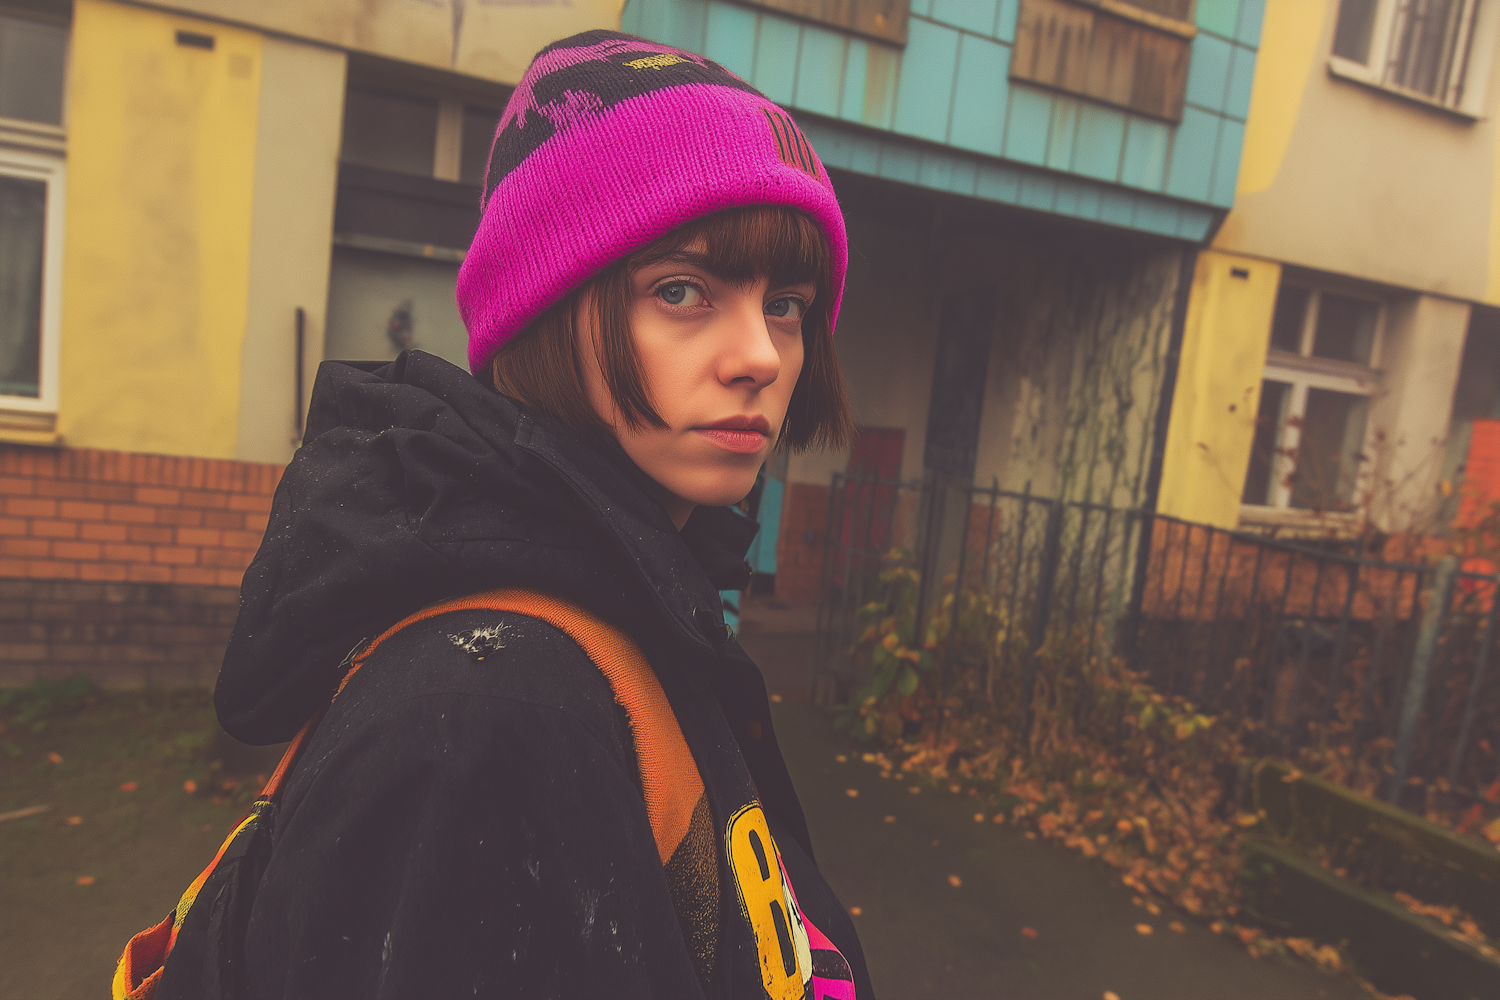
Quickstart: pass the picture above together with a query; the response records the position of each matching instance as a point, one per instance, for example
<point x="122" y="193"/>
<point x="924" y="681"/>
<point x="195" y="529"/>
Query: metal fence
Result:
<point x="1380" y="668"/>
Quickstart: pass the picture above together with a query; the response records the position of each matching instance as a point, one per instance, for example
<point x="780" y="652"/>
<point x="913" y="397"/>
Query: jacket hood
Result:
<point x="415" y="484"/>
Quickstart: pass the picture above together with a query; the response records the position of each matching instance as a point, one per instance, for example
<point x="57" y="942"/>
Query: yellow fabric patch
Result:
<point x="655" y="62"/>
<point x="780" y="937"/>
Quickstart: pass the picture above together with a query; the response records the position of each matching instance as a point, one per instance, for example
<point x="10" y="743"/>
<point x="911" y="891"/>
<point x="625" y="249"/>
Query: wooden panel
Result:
<point x="884" y="20"/>
<point x="1088" y="51"/>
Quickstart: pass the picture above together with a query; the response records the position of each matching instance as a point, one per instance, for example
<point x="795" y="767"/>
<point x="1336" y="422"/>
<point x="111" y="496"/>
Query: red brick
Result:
<point x="77" y="550"/>
<point x="54" y="529"/>
<point x="79" y="510"/>
<point x="157" y="497"/>
<point x="12" y="568"/>
<point x="152" y="534"/>
<point x="226" y="558"/>
<point x="131" y="513"/>
<point x="25" y="548"/>
<point x="181" y="516"/>
<point x="104" y="532"/>
<point x="204" y="500"/>
<point x="257" y="522"/>
<point x="128" y="553"/>
<point x="231" y="520"/>
<point x="251" y="502"/>
<point x="110" y="492"/>
<point x="231" y="577"/>
<point x="43" y="569"/>
<point x="61" y="488"/>
<point x="26" y="507"/>
<point x="101" y="571"/>
<point x="199" y="536"/>
<point x="17" y="486"/>
<point x="243" y="539"/>
<point x="13" y="526"/>
<point x="139" y="573"/>
<point x="196" y="575"/>
<point x="177" y="555"/>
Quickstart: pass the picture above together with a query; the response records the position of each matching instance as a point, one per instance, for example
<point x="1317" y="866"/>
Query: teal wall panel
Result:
<point x="1193" y="225"/>
<point x="1026" y="125"/>
<point x="1219" y="16"/>
<point x="977" y="16"/>
<point x="997" y="182"/>
<point x="1193" y="148"/>
<point x="1145" y="158"/>
<point x="936" y="172"/>
<point x="921" y="7"/>
<point x="1117" y="208"/>
<point x="1101" y="134"/>
<point x="1208" y="72"/>
<point x="729" y="37"/>
<point x="852" y="101"/>
<point x="1237" y="88"/>
<point x="1252" y="13"/>
<point x="820" y="71"/>
<point x="924" y="95"/>
<point x="776" y="59"/>
<point x="965" y="174"/>
<point x="1227" y="163"/>
<point x="1038" y="191"/>
<point x="900" y="163"/>
<point x="1069" y="199"/>
<point x="1155" y="217"/>
<point x="1005" y="26"/>
<point x="1061" y="133"/>
<point x="979" y="96"/>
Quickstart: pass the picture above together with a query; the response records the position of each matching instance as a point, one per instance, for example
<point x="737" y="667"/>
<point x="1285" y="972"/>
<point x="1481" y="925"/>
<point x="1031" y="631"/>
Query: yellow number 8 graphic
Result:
<point x="780" y="935"/>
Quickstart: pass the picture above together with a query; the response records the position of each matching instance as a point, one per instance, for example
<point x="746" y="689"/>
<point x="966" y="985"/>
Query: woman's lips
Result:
<point x="741" y="442"/>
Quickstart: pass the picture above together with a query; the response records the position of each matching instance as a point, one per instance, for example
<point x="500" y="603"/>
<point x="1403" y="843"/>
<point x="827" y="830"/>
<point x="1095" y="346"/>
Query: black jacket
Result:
<point x="461" y="826"/>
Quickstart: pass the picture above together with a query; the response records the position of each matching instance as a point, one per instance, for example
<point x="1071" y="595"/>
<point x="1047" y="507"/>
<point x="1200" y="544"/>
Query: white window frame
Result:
<point x="1302" y="371"/>
<point x="1479" y="21"/>
<point x="51" y="170"/>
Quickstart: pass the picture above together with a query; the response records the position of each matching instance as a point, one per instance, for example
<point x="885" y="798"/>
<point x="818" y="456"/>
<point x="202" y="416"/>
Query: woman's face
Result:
<point x="720" y="361"/>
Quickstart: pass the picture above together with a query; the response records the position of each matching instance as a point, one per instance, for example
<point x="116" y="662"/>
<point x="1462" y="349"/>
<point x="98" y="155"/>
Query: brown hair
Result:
<point x="540" y="366"/>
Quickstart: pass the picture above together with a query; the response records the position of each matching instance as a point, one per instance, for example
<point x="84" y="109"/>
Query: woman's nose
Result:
<point x="749" y="356"/>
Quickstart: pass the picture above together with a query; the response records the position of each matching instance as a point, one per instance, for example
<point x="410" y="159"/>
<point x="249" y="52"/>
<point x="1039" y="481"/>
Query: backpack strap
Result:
<point x="676" y="801"/>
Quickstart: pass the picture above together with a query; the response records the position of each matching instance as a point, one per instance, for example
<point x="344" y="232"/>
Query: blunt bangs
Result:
<point x="541" y="368"/>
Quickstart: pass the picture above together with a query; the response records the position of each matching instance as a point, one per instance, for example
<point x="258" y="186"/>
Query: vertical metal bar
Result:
<point x="1083" y="528"/>
<point x="1015" y="576"/>
<point x="1286" y="590"/>
<point x="1331" y="699"/>
<point x="1109" y="516"/>
<point x="1480" y="663"/>
<point x="958" y="597"/>
<point x="300" y="362"/>
<point x="989" y="535"/>
<point x="926" y="556"/>
<point x="826" y="643"/>
<point x="1390" y="607"/>
<point x="1041" y="613"/>
<point x="1203" y="573"/>
<point x="1440" y="595"/>
<point x="1307" y="627"/>
<point x="1187" y="543"/>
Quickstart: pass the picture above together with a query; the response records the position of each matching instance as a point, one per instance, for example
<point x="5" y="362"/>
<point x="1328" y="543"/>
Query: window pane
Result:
<point x="391" y="131"/>
<point x="1286" y="323"/>
<point x="1328" y="457"/>
<point x="1346" y="328"/>
<point x="31" y="70"/>
<point x="479" y="131"/>
<point x="1426" y="45"/>
<point x="23" y="218"/>
<point x="1351" y="37"/>
<point x="1268" y="419"/>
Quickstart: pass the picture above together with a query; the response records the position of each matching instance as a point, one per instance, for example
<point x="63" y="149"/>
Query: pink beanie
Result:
<point x="609" y="142"/>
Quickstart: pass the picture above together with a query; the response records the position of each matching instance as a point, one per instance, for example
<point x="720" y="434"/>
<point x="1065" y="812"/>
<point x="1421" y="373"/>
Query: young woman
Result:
<point x="650" y="299"/>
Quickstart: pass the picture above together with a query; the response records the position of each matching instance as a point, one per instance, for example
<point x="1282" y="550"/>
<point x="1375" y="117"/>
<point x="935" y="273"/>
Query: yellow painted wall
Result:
<point x="1289" y="48"/>
<point x="1218" y="388"/>
<point x="161" y="157"/>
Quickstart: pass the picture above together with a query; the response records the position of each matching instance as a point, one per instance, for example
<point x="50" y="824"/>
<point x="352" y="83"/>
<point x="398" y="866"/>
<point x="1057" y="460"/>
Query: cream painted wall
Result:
<point x="493" y="41"/>
<point x="886" y="342"/>
<point x="161" y="160"/>
<point x="296" y="177"/>
<point x="1339" y="177"/>
<point x="1420" y="352"/>
<point x="1215" y="402"/>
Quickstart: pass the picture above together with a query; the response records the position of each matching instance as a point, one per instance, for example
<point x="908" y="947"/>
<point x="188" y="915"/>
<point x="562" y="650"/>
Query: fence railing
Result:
<point x="1379" y="669"/>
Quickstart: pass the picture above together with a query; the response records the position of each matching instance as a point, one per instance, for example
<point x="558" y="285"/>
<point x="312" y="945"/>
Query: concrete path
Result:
<point x="925" y="937"/>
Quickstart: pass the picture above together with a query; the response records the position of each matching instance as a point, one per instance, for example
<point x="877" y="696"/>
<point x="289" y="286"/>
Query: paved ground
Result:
<point x="925" y="937"/>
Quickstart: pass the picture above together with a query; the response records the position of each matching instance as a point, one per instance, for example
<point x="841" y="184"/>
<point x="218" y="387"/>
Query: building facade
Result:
<point x="1342" y="336"/>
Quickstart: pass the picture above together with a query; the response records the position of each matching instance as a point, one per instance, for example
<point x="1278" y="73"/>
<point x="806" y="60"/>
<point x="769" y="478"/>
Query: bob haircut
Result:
<point x="541" y="366"/>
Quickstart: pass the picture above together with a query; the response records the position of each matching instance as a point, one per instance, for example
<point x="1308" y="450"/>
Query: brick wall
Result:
<point x="123" y="567"/>
<point x="799" y="550"/>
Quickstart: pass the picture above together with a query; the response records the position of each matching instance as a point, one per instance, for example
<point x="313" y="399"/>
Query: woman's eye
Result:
<point x="679" y="293"/>
<point x="787" y="308"/>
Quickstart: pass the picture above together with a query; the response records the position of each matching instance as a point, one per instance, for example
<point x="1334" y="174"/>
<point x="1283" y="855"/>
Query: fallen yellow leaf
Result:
<point x="999" y="818"/>
<point x="914" y="789"/>
<point x="855" y="911"/>
<point x="1144" y="929"/>
<point x="776" y="697"/>
<point x="1111" y="995"/>
<point x="55" y="757"/>
<point x="1492" y="832"/>
<point x="129" y="786"/>
<point x="74" y="820"/>
<point x="1124" y="826"/>
<point x="1028" y="932"/>
<point x="954" y="789"/>
<point x="1247" y="819"/>
<point x="868" y="758"/>
<point x="955" y="881"/>
<point x="85" y="880"/>
<point x="979" y="817"/>
<point x="853" y="793"/>
<point x="1177" y="926"/>
<point x="890" y="819"/>
<point x="190" y="787"/>
<point x="842" y="759"/>
<point x="1152" y="908"/>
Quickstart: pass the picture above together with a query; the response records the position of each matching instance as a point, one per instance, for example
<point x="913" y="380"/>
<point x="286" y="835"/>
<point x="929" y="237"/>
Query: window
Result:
<point x="1424" y="49"/>
<point x="32" y="59"/>
<point x="425" y="136"/>
<point x="1314" y="402"/>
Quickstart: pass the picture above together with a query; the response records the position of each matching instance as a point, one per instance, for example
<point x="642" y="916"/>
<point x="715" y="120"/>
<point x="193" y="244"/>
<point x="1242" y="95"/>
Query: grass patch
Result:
<point x="122" y="836"/>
